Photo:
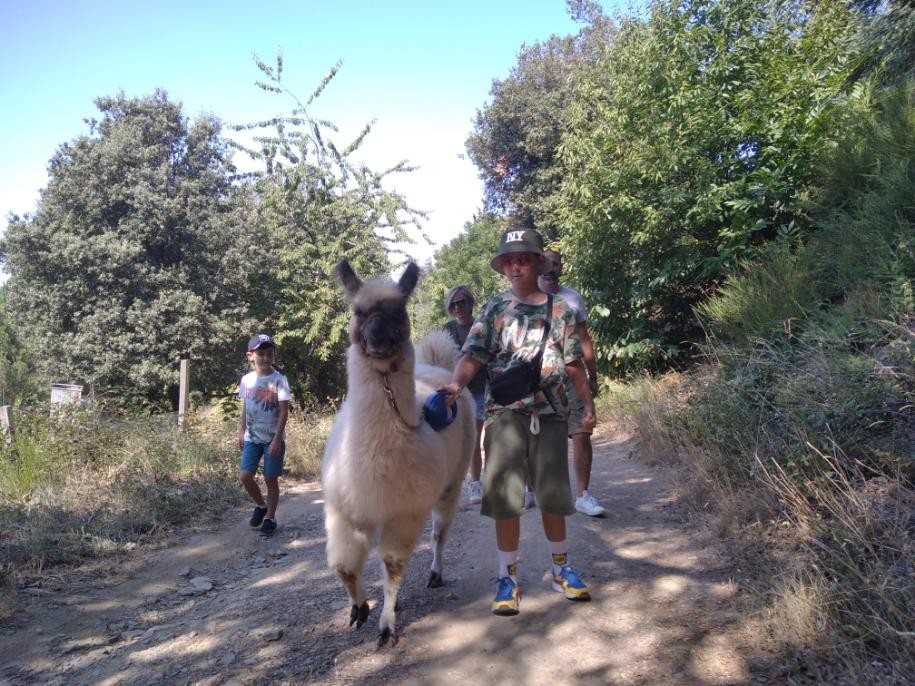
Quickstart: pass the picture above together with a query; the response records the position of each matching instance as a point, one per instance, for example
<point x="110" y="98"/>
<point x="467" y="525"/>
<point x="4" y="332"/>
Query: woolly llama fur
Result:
<point x="385" y="469"/>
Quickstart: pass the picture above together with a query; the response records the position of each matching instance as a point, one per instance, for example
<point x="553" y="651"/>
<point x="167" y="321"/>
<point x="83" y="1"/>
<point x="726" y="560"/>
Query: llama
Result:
<point x="384" y="468"/>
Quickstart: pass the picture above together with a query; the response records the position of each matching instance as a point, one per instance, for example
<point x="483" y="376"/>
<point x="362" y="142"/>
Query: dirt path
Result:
<point x="268" y="610"/>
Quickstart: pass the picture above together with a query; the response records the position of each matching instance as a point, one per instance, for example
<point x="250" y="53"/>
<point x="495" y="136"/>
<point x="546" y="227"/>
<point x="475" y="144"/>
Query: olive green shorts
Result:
<point x="513" y="453"/>
<point x="576" y="411"/>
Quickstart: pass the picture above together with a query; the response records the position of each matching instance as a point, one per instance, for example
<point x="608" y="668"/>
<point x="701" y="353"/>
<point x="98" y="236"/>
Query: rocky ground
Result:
<point x="227" y="606"/>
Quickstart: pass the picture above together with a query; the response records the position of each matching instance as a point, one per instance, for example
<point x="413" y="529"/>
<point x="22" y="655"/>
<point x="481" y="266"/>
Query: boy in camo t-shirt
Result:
<point x="527" y="439"/>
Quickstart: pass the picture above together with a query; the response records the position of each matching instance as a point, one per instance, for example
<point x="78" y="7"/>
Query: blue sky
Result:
<point x="422" y="69"/>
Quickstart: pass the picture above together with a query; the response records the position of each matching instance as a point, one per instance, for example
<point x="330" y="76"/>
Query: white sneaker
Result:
<point x="586" y="504"/>
<point x="474" y="492"/>
<point x="529" y="500"/>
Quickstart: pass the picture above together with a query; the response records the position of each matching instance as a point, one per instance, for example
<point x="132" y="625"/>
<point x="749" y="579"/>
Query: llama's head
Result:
<point x="379" y="324"/>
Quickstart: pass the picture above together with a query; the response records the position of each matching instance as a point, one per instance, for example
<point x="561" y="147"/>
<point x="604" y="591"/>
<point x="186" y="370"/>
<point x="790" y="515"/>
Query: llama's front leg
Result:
<point x="347" y="549"/>
<point x="398" y="539"/>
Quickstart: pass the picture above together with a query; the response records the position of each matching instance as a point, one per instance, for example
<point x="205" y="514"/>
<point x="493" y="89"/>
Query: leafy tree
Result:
<point x="887" y="40"/>
<point x="690" y="143"/>
<point x="134" y="255"/>
<point x="315" y="207"/>
<point x="863" y="207"/>
<point x="463" y="261"/>
<point x="516" y="137"/>
<point x="18" y="381"/>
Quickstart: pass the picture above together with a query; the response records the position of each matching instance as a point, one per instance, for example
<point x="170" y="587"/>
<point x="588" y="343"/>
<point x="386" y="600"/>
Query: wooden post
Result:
<point x="6" y="424"/>
<point x="184" y="376"/>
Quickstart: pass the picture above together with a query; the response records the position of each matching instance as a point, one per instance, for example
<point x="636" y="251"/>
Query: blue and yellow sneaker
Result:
<point x="508" y="598"/>
<point x="569" y="583"/>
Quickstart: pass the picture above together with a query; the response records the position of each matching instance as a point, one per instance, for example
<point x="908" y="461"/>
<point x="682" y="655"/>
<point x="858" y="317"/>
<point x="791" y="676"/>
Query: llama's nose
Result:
<point x="381" y="336"/>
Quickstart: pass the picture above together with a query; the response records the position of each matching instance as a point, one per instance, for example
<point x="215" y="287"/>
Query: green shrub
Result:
<point x="864" y="206"/>
<point x="773" y="294"/>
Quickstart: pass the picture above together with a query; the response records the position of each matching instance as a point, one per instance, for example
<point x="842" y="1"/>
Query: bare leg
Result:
<point x="554" y="526"/>
<point x="583" y="456"/>
<point x="273" y="495"/>
<point x="248" y="481"/>
<point x="508" y="533"/>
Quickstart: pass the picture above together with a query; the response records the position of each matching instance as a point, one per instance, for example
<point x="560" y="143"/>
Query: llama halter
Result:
<point x="435" y="413"/>
<point x="392" y="401"/>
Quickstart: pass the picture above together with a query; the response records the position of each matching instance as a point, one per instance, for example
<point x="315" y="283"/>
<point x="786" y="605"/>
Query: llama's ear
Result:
<point x="408" y="279"/>
<point x="351" y="282"/>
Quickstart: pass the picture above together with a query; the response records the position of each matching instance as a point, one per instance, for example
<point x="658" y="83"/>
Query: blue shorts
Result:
<point x="251" y="457"/>
<point x="479" y="400"/>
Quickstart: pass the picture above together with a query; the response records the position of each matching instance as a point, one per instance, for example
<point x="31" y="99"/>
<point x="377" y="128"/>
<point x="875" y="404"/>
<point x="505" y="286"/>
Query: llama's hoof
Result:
<point x="387" y="636"/>
<point x="435" y="580"/>
<point x="358" y="614"/>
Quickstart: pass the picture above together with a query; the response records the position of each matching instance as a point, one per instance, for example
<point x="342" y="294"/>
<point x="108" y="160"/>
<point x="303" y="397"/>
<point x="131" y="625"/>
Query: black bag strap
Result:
<point x="546" y="328"/>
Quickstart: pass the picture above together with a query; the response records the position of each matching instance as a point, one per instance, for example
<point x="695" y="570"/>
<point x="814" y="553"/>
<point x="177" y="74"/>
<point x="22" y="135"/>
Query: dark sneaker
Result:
<point x="268" y="527"/>
<point x="257" y="516"/>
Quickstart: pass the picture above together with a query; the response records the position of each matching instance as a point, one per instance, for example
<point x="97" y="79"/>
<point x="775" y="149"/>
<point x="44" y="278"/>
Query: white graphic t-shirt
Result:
<point x="262" y="396"/>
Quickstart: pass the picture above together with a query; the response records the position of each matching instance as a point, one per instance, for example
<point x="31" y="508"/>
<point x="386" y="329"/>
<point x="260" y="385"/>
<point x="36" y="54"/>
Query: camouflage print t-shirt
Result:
<point x="508" y="330"/>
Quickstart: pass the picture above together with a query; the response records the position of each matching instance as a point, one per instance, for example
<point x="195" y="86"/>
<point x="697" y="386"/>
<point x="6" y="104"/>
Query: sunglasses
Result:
<point x="523" y="259"/>
<point x="458" y="303"/>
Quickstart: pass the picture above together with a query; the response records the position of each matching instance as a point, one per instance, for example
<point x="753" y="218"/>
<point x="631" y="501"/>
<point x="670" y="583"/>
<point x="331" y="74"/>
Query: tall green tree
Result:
<point x="689" y="143"/>
<point x="516" y="137"/>
<point x="134" y="256"/>
<point x="18" y="381"/>
<point x="314" y="207"/>
<point x="887" y="40"/>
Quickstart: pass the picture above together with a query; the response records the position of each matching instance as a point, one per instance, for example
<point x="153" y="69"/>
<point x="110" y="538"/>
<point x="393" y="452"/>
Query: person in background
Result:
<point x="581" y="437"/>
<point x="528" y="438"/>
<point x="459" y="303"/>
<point x="265" y="397"/>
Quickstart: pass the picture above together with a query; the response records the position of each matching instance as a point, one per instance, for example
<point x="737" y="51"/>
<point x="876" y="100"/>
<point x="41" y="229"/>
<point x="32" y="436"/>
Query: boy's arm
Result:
<point x="242" y="426"/>
<point x="465" y="370"/>
<point x="579" y="380"/>
<point x="280" y="427"/>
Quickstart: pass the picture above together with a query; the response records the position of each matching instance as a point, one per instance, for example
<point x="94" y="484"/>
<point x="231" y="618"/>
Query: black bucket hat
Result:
<point x="515" y="241"/>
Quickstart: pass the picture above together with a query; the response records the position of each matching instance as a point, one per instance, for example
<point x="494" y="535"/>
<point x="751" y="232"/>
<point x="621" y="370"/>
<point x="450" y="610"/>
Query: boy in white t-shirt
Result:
<point x="265" y="399"/>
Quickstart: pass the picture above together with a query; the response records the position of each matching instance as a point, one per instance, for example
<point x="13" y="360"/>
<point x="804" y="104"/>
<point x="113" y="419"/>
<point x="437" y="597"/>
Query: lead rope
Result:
<point x="393" y="403"/>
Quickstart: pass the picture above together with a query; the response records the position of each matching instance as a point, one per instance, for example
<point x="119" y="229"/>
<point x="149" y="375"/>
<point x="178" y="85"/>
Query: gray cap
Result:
<point x="260" y="340"/>
<point x="515" y="241"/>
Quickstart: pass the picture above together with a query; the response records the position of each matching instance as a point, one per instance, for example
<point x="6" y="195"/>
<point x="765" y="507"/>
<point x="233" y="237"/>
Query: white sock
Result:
<point x="559" y="555"/>
<point x="508" y="564"/>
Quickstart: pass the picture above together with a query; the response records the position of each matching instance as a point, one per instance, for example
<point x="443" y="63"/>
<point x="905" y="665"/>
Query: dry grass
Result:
<point x="92" y="485"/>
<point x="307" y="435"/>
<point x="829" y="537"/>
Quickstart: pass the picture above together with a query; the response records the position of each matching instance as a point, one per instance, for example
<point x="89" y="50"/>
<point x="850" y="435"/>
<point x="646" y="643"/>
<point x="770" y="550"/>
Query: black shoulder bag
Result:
<point x="522" y="379"/>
